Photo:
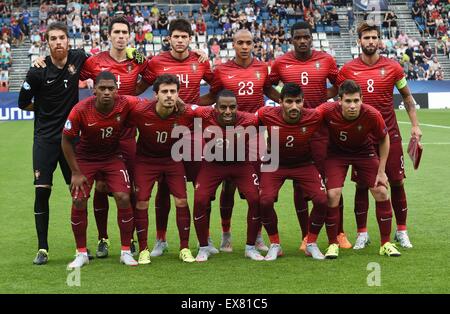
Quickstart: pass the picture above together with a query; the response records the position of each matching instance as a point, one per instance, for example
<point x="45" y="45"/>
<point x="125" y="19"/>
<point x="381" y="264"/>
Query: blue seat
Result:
<point x="210" y="31"/>
<point x="319" y="29"/>
<point x="336" y="30"/>
<point x="329" y="29"/>
<point x="156" y="32"/>
<point x="164" y="32"/>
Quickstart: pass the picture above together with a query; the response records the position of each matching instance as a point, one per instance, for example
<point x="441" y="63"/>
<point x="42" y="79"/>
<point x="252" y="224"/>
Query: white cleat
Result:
<point x="225" y="244"/>
<point x="159" y="248"/>
<point x="313" y="250"/>
<point x="203" y="254"/>
<point x="127" y="258"/>
<point x="252" y="253"/>
<point x="212" y="249"/>
<point x="80" y="260"/>
<point x="274" y="252"/>
<point x="362" y="241"/>
<point x="259" y="243"/>
<point x="403" y="238"/>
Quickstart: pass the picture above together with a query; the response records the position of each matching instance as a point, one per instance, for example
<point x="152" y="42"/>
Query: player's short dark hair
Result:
<point x="300" y="25"/>
<point x="181" y="25"/>
<point x="56" y="26"/>
<point x="105" y="75"/>
<point x="367" y="27"/>
<point x="349" y="87"/>
<point x="225" y="93"/>
<point x="291" y="90"/>
<point x="166" y="79"/>
<point x="118" y="20"/>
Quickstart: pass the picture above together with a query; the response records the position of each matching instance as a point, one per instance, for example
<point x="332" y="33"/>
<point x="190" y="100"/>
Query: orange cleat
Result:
<point x="344" y="243"/>
<point x="303" y="245"/>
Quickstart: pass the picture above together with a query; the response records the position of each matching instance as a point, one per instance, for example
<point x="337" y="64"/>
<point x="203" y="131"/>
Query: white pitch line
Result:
<point x="437" y="143"/>
<point x="430" y="125"/>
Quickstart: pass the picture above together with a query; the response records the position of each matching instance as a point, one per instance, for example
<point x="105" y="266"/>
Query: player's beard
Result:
<point x="59" y="54"/>
<point x="369" y="51"/>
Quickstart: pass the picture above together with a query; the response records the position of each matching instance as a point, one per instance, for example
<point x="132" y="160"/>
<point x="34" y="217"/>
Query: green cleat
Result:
<point x="332" y="251"/>
<point x="41" y="257"/>
<point x="102" y="248"/>
<point x="144" y="257"/>
<point x="186" y="256"/>
<point x="389" y="249"/>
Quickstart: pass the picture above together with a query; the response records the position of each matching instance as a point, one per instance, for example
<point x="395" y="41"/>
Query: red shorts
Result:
<point x="192" y="168"/>
<point x="337" y="168"/>
<point x="127" y="147"/>
<point x="307" y="177"/>
<point x="211" y="174"/>
<point x="395" y="165"/>
<point x="113" y="172"/>
<point x="149" y="170"/>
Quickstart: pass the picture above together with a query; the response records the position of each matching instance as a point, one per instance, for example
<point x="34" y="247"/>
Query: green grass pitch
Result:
<point x="423" y="269"/>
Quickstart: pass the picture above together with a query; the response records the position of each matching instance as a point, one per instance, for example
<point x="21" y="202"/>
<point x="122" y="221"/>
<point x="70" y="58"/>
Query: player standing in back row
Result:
<point x="377" y="76"/>
<point x="247" y="78"/>
<point x="310" y="69"/>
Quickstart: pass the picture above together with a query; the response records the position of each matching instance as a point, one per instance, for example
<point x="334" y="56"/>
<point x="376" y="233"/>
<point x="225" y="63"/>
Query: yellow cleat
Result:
<point x="344" y="243"/>
<point x="332" y="251"/>
<point x="389" y="249"/>
<point x="144" y="257"/>
<point x="186" y="256"/>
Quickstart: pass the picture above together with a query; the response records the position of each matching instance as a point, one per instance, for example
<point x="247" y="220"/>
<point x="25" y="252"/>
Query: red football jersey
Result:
<point x="246" y="83"/>
<point x="377" y="83"/>
<point x="352" y="138"/>
<point x="294" y="139"/>
<point x="154" y="132"/>
<point x="311" y="75"/>
<point x="126" y="73"/>
<point x="229" y="135"/>
<point x="189" y="71"/>
<point x="99" y="133"/>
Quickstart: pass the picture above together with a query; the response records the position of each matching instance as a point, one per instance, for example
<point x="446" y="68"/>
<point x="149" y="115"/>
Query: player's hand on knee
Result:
<point x="382" y="179"/>
<point x="79" y="186"/>
<point x="39" y="62"/>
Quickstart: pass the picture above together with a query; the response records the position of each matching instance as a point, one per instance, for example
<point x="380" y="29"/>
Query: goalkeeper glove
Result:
<point x="134" y="54"/>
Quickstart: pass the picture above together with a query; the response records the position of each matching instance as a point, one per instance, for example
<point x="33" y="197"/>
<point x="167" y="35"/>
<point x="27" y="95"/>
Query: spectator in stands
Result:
<point x="403" y="38"/>
<point x="411" y="75"/>
<point x="201" y="26"/>
<point x="430" y="26"/>
<point x="334" y="17"/>
<point x="427" y="53"/>
<point x="390" y="23"/>
<point x="140" y="37"/>
<point x="5" y="59"/>
<point x="34" y="51"/>
<point x="95" y="48"/>
<point x="439" y="74"/>
<point x="441" y="29"/>
<point x="162" y="20"/>
<point x="440" y="47"/>
<point x="17" y="34"/>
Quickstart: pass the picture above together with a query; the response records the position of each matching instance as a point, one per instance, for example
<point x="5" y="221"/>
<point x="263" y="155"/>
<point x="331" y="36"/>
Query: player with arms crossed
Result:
<point x="55" y="92"/>
<point x="294" y="125"/>
<point x="155" y="121"/>
<point x="224" y="127"/>
<point x="352" y="127"/>
<point x="98" y="122"/>
<point x="377" y="76"/>
<point x="310" y="69"/>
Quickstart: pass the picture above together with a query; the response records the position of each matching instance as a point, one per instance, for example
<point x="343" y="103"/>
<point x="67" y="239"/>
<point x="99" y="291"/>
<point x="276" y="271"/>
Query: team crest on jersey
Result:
<point x="359" y="127"/>
<point x="317" y="65"/>
<point x="71" y="69"/>
<point x="304" y="129"/>
<point x="194" y="67"/>
<point x="130" y="67"/>
<point x="382" y="71"/>
<point x="258" y="75"/>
